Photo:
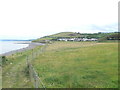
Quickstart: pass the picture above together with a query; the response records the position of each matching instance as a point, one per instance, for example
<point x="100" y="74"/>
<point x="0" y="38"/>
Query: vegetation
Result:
<point x="14" y="72"/>
<point x="3" y="60"/>
<point x="66" y="64"/>
<point x="79" y="65"/>
<point x="114" y="36"/>
<point x="101" y="36"/>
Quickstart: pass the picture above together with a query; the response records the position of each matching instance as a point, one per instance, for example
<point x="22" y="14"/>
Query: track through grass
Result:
<point x="14" y="73"/>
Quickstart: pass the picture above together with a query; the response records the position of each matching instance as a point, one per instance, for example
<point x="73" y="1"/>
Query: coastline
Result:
<point x="30" y="46"/>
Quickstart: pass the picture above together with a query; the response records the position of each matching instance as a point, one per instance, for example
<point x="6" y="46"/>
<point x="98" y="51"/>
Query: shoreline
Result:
<point x="30" y="46"/>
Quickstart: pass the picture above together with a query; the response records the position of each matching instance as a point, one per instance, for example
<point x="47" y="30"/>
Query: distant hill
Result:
<point x="58" y="35"/>
<point x="113" y="36"/>
<point x="66" y="34"/>
<point x="100" y="36"/>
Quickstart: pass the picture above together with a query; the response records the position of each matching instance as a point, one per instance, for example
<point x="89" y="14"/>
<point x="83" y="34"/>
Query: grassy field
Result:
<point x="79" y="65"/>
<point x="66" y="65"/>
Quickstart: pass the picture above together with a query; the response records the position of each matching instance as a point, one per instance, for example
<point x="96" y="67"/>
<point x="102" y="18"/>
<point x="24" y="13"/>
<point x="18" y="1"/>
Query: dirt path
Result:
<point x="14" y="74"/>
<point x="16" y="77"/>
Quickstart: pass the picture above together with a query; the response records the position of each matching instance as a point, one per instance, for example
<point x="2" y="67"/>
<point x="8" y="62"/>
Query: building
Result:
<point x="77" y="39"/>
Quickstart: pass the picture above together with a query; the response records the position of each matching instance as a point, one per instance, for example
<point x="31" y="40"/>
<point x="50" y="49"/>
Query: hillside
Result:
<point x="114" y="36"/>
<point x="100" y="36"/>
<point x="66" y="34"/>
<point x="58" y="35"/>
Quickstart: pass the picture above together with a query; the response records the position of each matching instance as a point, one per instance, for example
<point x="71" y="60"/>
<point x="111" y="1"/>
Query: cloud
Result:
<point x="105" y="28"/>
<point x="93" y="28"/>
<point x="37" y="18"/>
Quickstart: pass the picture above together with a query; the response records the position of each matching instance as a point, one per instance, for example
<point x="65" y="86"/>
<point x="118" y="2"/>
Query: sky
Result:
<point x="31" y="19"/>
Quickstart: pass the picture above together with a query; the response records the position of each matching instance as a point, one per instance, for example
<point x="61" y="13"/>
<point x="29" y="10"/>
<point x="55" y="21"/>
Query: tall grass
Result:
<point x="66" y="65"/>
<point x="14" y="72"/>
<point x="79" y="65"/>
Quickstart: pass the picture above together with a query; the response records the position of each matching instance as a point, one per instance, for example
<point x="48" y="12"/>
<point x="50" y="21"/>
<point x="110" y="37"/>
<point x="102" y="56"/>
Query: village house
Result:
<point x="76" y="39"/>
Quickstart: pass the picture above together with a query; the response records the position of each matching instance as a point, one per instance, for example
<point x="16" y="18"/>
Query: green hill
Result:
<point x="113" y="36"/>
<point x="58" y="35"/>
<point x="100" y="36"/>
<point x="66" y="34"/>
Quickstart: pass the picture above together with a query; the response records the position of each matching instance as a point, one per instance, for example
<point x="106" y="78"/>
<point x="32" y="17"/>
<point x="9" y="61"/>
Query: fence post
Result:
<point x="35" y="79"/>
<point x="36" y="84"/>
<point x="32" y="54"/>
<point x="27" y="60"/>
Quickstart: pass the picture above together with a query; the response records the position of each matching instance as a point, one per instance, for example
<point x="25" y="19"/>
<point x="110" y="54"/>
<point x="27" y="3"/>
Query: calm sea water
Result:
<point x="6" y="46"/>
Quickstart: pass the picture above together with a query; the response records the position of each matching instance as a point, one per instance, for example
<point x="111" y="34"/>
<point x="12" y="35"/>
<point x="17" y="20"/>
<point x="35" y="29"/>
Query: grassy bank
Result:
<point x="79" y="65"/>
<point x="14" y="70"/>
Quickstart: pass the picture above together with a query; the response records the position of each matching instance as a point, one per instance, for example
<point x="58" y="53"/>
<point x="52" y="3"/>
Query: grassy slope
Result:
<point x="14" y="73"/>
<point x="65" y="34"/>
<point x="72" y="34"/>
<point x="68" y="64"/>
<point x="62" y="34"/>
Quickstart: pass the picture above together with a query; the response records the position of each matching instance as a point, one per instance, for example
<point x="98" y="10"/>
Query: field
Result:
<point x="66" y="65"/>
<point x="79" y="65"/>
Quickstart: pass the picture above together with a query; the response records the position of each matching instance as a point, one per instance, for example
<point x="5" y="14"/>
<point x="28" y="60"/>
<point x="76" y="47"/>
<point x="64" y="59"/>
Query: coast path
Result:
<point x="14" y="74"/>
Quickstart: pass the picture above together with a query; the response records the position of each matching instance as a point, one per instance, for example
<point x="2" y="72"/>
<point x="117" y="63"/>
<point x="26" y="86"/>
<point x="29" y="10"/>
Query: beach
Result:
<point x="31" y="46"/>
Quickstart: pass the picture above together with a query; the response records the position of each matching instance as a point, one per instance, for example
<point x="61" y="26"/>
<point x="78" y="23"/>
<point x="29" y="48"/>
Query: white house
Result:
<point x="77" y="39"/>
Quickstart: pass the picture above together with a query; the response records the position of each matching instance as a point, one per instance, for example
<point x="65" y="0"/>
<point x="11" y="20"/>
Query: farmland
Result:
<point x="79" y="65"/>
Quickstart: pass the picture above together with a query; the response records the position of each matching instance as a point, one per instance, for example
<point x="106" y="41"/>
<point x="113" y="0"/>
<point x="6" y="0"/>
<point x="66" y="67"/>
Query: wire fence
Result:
<point x="35" y="79"/>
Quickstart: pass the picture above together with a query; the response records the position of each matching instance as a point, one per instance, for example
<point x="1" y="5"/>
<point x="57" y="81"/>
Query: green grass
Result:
<point x="65" y="34"/>
<point x="66" y="65"/>
<point x="99" y="36"/>
<point x="14" y="72"/>
<point x="79" y="65"/>
<point x="54" y="36"/>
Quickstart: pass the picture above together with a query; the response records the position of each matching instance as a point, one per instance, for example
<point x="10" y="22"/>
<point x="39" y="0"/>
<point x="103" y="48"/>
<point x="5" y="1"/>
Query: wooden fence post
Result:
<point x="33" y="74"/>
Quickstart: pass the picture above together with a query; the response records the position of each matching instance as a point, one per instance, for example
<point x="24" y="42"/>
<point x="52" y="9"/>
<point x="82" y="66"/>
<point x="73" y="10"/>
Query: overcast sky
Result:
<point x="27" y="19"/>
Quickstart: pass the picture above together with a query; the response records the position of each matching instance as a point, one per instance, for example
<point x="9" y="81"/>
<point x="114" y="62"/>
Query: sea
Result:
<point x="7" y="46"/>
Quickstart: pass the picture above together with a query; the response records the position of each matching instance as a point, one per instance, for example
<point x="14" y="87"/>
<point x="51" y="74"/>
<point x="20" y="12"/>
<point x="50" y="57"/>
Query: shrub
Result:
<point x="4" y="59"/>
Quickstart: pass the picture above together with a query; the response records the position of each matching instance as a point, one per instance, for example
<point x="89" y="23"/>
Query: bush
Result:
<point x="4" y="59"/>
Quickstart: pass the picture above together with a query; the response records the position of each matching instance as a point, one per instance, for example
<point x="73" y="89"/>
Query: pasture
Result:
<point x="79" y="65"/>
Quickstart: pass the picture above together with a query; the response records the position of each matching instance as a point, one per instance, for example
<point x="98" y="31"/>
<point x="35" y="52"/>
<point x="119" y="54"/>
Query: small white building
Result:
<point x="94" y="39"/>
<point x="62" y="39"/>
<point x="77" y="39"/>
